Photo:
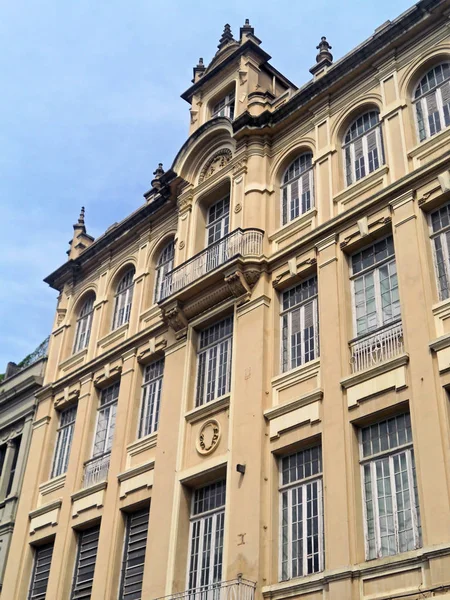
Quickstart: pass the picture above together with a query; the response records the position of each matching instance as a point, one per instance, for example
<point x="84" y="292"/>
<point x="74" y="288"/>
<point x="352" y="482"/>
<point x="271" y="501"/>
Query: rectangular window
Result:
<point x="299" y="325"/>
<point x="85" y="563"/>
<point x="375" y="287"/>
<point x="16" y="448"/>
<point x="64" y="441"/>
<point x="214" y="361"/>
<point x="301" y="512"/>
<point x="41" y="572"/>
<point x="206" y="536"/>
<point x="225" y="107"/>
<point x="151" y="397"/>
<point x="391" y="506"/>
<point x="218" y="221"/>
<point x="106" y="420"/>
<point x="134" y="555"/>
<point x="440" y="235"/>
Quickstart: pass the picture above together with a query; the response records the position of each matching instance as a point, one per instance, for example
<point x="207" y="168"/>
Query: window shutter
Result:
<point x="285" y="203"/>
<point x="85" y="564"/>
<point x="295" y="322"/>
<point x="41" y="572"/>
<point x="358" y="145"/>
<point x="445" y="93"/>
<point x="431" y="103"/>
<point x="309" y="315"/>
<point x="372" y="141"/>
<point x="348" y="165"/>
<point x="420" y="121"/>
<point x="306" y="192"/>
<point x="134" y="555"/>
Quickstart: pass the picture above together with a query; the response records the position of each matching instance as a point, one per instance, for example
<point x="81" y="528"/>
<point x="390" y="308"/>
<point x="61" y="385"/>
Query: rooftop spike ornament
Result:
<point x="81" y="217"/>
<point x="246" y="29"/>
<point x="226" y="38"/>
<point x="158" y="173"/>
<point x="324" y="51"/>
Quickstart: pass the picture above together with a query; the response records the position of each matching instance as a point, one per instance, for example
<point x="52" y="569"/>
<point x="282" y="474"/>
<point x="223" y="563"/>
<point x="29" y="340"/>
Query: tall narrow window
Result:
<point x="218" y="221"/>
<point x="225" y="107"/>
<point x="363" y="147"/>
<point x="432" y="101"/>
<point x="64" y="441"/>
<point x="214" y="361"/>
<point x="84" y="324"/>
<point x="440" y="235"/>
<point x="123" y="299"/>
<point x="301" y="546"/>
<point x="2" y="457"/>
<point x="299" y="325"/>
<point x="165" y="264"/>
<point x="106" y="420"/>
<point x="134" y="555"/>
<point x="85" y="563"/>
<point x="151" y="397"/>
<point x="41" y="572"/>
<point x="12" y="473"/>
<point x="206" y="537"/>
<point x="297" y="190"/>
<point x="392" y="518"/>
<point x="375" y="287"/>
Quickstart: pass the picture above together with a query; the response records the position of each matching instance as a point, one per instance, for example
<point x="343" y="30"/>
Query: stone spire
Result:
<point x="226" y="38"/>
<point x="198" y="70"/>
<point x="80" y="239"/>
<point x="246" y="29"/>
<point x="80" y="224"/>
<point x="324" y="51"/>
<point x="158" y="173"/>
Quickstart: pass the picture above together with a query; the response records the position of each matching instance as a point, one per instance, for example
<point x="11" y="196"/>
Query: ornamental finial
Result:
<point x="227" y="37"/>
<point x="324" y="51"/>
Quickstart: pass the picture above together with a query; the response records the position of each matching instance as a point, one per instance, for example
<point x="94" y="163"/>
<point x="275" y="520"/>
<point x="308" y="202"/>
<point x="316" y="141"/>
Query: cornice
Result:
<point x="385" y="367"/>
<point x="89" y="490"/>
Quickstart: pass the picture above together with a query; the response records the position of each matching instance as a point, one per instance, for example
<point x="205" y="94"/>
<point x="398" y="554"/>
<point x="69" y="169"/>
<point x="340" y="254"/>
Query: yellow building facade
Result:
<point x="246" y="388"/>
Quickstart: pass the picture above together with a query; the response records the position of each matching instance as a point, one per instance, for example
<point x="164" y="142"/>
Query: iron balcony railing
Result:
<point x="377" y="347"/>
<point x="240" y="242"/>
<point x="96" y="470"/>
<point x="234" y="589"/>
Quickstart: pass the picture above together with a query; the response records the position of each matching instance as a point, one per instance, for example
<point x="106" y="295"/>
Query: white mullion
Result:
<point x="440" y="107"/>
<point x="445" y="252"/>
<point x="376" y="511"/>
<point x="289" y="533"/>
<point x="289" y="342"/>
<point x="394" y="500"/>
<point x="304" y="488"/>
<point x="365" y="152"/>
<point x="302" y="333"/>
<point x="377" y="290"/>
<point x="425" y="116"/>
<point x="211" y="549"/>
<point x="311" y="187"/>
<point x="412" y="497"/>
<point x="320" y="523"/>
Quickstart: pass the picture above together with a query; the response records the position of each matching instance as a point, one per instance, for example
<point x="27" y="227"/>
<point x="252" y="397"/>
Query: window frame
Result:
<point x="441" y="235"/>
<point x="223" y="221"/>
<point x="287" y="312"/>
<point x="85" y="317"/>
<point x="38" y="549"/>
<point x="146" y="390"/>
<point x="111" y="420"/>
<point x="408" y="450"/>
<point x="62" y="444"/>
<point x="124" y="290"/>
<point x="287" y="488"/>
<point x="81" y="535"/>
<point x="374" y="268"/>
<point x="421" y="100"/>
<point x="205" y="372"/>
<point x="228" y="108"/>
<point x="286" y="185"/>
<point x="350" y="145"/>
<point x="163" y="266"/>
<point x="126" y="550"/>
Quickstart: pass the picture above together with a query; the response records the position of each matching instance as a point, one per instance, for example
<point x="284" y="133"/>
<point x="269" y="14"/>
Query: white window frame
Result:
<point x="213" y="364"/>
<point x="288" y="313"/>
<point x="350" y="144"/>
<point x="420" y="99"/>
<point x="151" y="397"/>
<point x="441" y="234"/>
<point x="375" y="269"/>
<point x="123" y="299"/>
<point x="287" y="204"/>
<point x="84" y="325"/>
<point x="216" y="515"/>
<point x="109" y="406"/>
<point x="407" y="450"/>
<point x="64" y="441"/>
<point x="164" y="266"/>
<point x="225" y="107"/>
<point x="288" y="489"/>
<point x="223" y="222"/>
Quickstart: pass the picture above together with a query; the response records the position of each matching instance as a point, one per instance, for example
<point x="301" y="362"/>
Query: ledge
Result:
<point x="134" y="471"/>
<point x="355" y="189"/>
<point x="208" y="409"/>
<point x="438" y="140"/>
<point x="440" y="343"/>
<point x="112" y="336"/>
<point x="298" y="374"/>
<point x="142" y="444"/>
<point x="52" y="484"/>
<point x="97" y="487"/>
<point x="292" y="227"/>
<point x="73" y="360"/>
<point x="42" y="510"/>
<point x="283" y="409"/>
<point x="367" y="374"/>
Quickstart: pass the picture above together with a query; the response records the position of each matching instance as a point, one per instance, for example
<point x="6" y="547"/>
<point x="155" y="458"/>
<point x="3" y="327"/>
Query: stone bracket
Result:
<point x="176" y="319"/>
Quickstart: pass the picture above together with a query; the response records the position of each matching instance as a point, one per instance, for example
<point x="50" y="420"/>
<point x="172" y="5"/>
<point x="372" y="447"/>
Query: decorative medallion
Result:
<point x="208" y="437"/>
<point x="217" y="161"/>
<point x="181" y="245"/>
<point x="238" y="208"/>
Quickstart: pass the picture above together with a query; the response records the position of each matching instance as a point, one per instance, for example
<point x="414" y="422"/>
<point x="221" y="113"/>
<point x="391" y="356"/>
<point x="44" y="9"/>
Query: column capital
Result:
<point x="326" y="242"/>
<point x="403" y="199"/>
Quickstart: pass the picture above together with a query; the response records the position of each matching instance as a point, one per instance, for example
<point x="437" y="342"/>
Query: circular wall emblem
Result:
<point x="208" y="437"/>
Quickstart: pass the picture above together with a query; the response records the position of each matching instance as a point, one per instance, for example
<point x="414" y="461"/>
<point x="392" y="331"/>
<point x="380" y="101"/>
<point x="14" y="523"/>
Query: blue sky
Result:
<point x="90" y="103"/>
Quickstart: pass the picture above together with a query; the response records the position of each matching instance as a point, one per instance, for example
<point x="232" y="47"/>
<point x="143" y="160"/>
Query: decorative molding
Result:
<point x="68" y="397"/>
<point x="215" y="163"/>
<point x="60" y="315"/>
<point x="153" y="347"/>
<point x="89" y="490"/>
<point x="40" y="422"/>
<point x="385" y="367"/>
<point x="252" y="305"/>
<point x="134" y="471"/>
<point x="279" y="278"/>
<point x="11" y="432"/>
<point x="142" y="444"/>
<point x="181" y="245"/>
<point x="176" y="319"/>
<point x="240" y="167"/>
<point x="283" y="409"/>
<point x="37" y="512"/>
<point x="237" y="284"/>
<point x="206" y="410"/>
<point x="108" y="376"/>
<point x="73" y="360"/>
<point x="238" y="208"/>
<point x="208" y="437"/>
<point x="52" y="485"/>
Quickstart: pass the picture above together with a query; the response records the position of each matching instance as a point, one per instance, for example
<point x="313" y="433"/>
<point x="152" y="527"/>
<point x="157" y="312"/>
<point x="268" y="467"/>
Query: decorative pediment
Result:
<point x="215" y="163"/>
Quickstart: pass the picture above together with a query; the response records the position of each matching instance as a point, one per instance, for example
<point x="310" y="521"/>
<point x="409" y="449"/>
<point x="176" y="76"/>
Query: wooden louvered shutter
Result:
<point x="359" y="159"/>
<point x="372" y="149"/>
<point x="295" y="202"/>
<point x="348" y="165"/>
<point x="433" y="113"/>
<point x="296" y="348"/>
<point x="306" y="192"/>
<point x="420" y="121"/>
<point x="41" y="572"/>
<point x="85" y="565"/>
<point x="134" y="555"/>
<point x="445" y="94"/>
<point x="285" y="205"/>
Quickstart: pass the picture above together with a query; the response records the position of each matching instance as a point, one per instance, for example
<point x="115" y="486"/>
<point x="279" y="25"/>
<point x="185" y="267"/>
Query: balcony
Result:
<point x="377" y="347"/>
<point x="96" y="470"/>
<point x="234" y="589"/>
<point x="246" y="243"/>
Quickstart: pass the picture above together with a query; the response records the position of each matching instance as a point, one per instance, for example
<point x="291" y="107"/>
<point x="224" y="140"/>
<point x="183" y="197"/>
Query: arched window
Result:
<point x="432" y="101"/>
<point x="123" y="299"/>
<point x="164" y="265"/>
<point x="84" y="324"/>
<point x="297" y="189"/>
<point x="363" y="147"/>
